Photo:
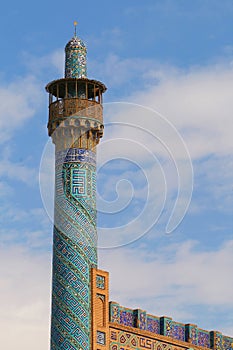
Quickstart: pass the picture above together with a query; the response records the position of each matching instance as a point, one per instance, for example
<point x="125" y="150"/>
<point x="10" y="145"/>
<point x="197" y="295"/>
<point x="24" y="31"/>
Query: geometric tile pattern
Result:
<point x="172" y="329"/>
<point x="101" y="338"/>
<point x="74" y="250"/>
<point x="114" y="310"/>
<point x="220" y="342"/>
<point x="198" y="336"/>
<point x="216" y="340"/>
<point x="203" y="338"/>
<point x="121" y="340"/>
<point x="75" y="64"/>
<point x="227" y="343"/>
<point x="100" y="282"/>
<point x="79" y="183"/>
<point x="191" y="333"/>
<point x="127" y="318"/>
<point x="142" y="319"/>
<point x="153" y="324"/>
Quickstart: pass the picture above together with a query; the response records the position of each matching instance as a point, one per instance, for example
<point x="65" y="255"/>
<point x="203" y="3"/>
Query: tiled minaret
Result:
<point x="76" y="126"/>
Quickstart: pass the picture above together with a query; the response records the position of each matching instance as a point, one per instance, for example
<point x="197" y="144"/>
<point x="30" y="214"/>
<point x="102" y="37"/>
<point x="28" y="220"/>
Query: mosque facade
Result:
<point x="82" y="316"/>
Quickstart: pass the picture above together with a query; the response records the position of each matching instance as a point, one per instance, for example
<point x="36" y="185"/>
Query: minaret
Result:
<point x="76" y="126"/>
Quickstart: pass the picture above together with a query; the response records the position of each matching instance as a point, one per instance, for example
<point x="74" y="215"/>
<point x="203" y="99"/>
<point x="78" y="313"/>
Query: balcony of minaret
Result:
<point x="75" y="112"/>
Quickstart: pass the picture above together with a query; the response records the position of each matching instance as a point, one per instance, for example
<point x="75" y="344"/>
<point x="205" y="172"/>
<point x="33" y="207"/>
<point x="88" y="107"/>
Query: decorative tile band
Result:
<point x="121" y="340"/>
<point x="166" y="326"/>
<point x="76" y="155"/>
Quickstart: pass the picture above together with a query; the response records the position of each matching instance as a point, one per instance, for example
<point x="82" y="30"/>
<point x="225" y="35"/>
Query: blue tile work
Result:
<point x="178" y="331"/>
<point x="153" y="324"/>
<point x="203" y="338"/>
<point x="74" y="249"/>
<point x="122" y="315"/>
<point x="172" y="329"/>
<point x="101" y="338"/>
<point x="191" y="333"/>
<point x="114" y="312"/>
<point x="75" y="63"/>
<point x="227" y="343"/>
<point x="166" y="326"/>
<point x="79" y="183"/>
<point x="216" y="340"/>
<point x="140" y="319"/>
<point x="74" y="155"/>
<point x="220" y="342"/>
<point x="127" y="317"/>
<point x="198" y="336"/>
<point x="100" y="282"/>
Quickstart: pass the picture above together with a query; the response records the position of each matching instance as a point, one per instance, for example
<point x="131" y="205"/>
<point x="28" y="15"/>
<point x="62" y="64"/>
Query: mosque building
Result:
<point x="82" y="317"/>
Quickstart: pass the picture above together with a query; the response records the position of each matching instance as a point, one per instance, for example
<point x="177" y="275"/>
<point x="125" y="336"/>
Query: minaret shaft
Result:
<point x="75" y="125"/>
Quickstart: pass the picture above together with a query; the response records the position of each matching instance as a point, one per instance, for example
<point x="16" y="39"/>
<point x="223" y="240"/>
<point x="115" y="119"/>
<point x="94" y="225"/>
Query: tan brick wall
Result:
<point x="100" y="309"/>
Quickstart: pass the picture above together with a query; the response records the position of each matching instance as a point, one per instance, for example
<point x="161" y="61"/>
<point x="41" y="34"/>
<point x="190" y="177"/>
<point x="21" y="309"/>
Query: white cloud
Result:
<point x="20" y="226"/>
<point x="199" y="104"/>
<point x="110" y="38"/>
<point x="214" y="182"/>
<point x="25" y="174"/>
<point x="198" y="101"/>
<point x="5" y="189"/>
<point x="143" y="137"/>
<point x="117" y="71"/>
<point x="47" y="64"/>
<point x="19" y="101"/>
<point x="25" y="299"/>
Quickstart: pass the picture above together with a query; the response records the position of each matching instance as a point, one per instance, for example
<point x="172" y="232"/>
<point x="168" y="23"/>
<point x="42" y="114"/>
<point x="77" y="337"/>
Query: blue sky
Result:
<point x="172" y="57"/>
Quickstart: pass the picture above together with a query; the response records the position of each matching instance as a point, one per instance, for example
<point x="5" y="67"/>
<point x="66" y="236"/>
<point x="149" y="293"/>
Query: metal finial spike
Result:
<point x="75" y="28"/>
